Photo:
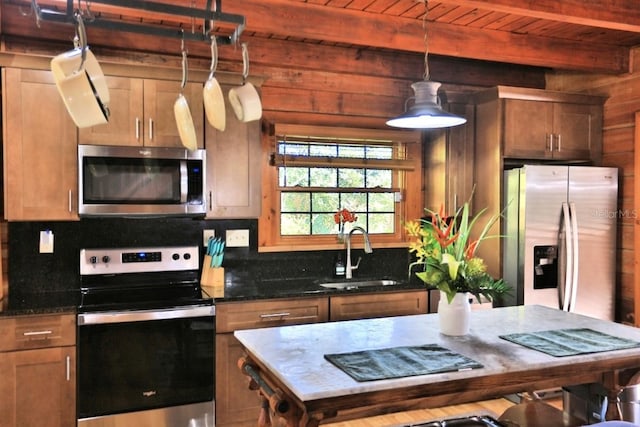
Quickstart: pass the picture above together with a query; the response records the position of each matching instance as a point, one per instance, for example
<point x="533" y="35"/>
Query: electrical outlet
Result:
<point x="205" y="236"/>
<point x="46" y="242"/>
<point x="237" y="238"/>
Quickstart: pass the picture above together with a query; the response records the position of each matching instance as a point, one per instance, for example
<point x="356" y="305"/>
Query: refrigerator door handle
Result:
<point x="568" y="273"/>
<point x="576" y="257"/>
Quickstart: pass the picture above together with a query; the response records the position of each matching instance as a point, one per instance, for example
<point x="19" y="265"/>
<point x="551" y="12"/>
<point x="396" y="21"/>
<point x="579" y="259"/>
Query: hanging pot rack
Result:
<point x="208" y="15"/>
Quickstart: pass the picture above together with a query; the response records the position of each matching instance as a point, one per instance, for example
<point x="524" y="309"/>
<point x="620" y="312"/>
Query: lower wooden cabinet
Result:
<point x="236" y="405"/>
<point x="37" y="367"/>
<point x="349" y="307"/>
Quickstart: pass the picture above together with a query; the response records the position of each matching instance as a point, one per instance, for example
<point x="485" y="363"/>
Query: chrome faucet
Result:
<point x="367" y="248"/>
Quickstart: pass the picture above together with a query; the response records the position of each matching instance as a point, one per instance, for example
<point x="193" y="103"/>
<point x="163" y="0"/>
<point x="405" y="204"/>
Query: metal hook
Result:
<point x="35" y="10"/>
<point x="82" y="36"/>
<point x="185" y="70"/>
<point x="214" y="54"/>
<point x="245" y="62"/>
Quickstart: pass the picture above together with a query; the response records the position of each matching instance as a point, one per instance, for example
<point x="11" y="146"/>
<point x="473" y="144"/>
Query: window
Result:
<point x="310" y="196"/>
<point x="313" y="177"/>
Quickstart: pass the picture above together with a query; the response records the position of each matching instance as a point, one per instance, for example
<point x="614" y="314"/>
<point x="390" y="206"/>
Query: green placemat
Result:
<point x="569" y="342"/>
<point x="397" y="362"/>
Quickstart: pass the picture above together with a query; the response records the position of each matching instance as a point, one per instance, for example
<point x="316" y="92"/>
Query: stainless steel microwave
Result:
<point x="140" y="181"/>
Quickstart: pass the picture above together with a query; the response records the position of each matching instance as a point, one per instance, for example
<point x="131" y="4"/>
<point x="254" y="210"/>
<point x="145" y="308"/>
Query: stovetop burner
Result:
<point x="140" y="278"/>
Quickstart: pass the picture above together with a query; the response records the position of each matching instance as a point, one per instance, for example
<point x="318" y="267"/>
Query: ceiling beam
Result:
<point x="309" y="21"/>
<point x="623" y="15"/>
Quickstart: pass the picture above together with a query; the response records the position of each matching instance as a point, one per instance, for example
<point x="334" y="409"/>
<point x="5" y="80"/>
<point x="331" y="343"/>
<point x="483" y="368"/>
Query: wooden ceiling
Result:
<point x="584" y="35"/>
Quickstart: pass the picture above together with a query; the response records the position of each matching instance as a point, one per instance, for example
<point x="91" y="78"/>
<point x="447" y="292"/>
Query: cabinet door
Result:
<point x="38" y="388"/>
<point x="233" y="168"/>
<point x="383" y="304"/>
<point x="160" y="129"/>
<point x="267" y="313"/>
<point x="126" y="116"/>
<point x="141" y="113"/>
<point x="40" y="149"/>
<point x="576" y="130"/>
<point x="236" y="405"/>
<point x="528" y="126"/>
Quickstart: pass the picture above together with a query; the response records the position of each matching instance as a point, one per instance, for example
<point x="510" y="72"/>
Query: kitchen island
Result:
<point x="289" y="369"/>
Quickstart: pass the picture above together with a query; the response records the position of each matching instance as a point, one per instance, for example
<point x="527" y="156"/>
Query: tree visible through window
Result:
<point x="310" y="196"/>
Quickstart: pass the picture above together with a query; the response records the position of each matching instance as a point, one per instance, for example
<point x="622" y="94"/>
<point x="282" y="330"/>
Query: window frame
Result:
<point x="407" y="176"/>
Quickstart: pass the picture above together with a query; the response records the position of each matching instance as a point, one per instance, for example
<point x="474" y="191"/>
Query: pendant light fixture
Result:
<point x="426" y="111"/>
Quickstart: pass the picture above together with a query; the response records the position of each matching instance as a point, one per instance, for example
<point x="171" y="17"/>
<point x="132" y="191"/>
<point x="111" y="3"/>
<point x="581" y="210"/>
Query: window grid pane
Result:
<point x="311" y="213"/>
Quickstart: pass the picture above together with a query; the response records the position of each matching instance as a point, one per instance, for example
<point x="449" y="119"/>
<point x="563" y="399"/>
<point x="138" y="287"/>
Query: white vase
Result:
<point x="454" y="316"/>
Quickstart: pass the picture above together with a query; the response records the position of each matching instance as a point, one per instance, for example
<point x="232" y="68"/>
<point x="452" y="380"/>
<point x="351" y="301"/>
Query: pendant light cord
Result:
<point x="426" y="75"/>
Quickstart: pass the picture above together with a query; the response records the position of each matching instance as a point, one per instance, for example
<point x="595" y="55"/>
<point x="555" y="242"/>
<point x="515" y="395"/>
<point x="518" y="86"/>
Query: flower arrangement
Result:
<point x="446" y="253"/>
<point x="341" y="218"/>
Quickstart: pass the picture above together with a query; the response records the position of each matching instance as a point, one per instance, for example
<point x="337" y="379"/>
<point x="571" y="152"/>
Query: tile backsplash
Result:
<point x="32" y="271"/>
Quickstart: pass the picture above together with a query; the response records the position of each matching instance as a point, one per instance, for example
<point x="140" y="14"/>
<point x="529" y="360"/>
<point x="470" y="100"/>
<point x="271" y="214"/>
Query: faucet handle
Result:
<point x="355" y="267"/>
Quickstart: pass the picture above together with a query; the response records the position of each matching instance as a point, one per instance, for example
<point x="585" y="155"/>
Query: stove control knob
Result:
<point x="106" y="259"/>
<point x="175" y="257"/>
<point x="93" y="259"/>
<point x="187" y="256"/>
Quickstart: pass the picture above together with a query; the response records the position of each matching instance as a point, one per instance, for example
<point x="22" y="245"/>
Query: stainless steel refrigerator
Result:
<point x="560" y="237"/>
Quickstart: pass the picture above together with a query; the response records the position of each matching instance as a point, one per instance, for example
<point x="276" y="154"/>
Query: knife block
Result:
<point x="212" y="278"/>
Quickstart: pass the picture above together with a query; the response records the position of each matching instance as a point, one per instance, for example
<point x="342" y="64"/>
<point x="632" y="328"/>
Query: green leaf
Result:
<point x="453" y="264"/>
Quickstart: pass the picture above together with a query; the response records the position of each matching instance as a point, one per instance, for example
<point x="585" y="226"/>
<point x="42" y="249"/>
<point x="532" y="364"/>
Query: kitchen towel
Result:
<point x="397" y="362"/>
<point x="569" y="342"/>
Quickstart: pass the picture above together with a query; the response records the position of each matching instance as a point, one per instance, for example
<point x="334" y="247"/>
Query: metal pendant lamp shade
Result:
<point x="426" y="112"/>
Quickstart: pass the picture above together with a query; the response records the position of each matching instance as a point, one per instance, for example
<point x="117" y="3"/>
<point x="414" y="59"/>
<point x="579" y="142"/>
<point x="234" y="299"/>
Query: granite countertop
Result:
<point x="238" y="287"/>
<point x="23" y="304"/>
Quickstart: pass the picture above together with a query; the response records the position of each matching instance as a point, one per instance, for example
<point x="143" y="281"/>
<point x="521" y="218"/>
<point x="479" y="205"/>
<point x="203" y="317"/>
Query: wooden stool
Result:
<point x="537" y="413"/>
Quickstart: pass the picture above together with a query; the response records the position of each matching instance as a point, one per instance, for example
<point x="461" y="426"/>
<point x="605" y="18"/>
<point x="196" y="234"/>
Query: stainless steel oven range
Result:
<point x="146" y="339"/>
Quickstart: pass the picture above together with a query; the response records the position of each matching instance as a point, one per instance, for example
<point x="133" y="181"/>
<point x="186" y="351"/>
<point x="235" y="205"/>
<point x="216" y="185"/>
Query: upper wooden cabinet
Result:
<point x="539" y="125"/>
<point x="40" y="149"/>
<point x="141" y="113"/>
<point x="233" y="168"/>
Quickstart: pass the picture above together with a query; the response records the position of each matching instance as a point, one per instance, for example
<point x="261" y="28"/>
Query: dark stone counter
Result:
<point x="23" y="304"/>
<point x="245" y="288"/>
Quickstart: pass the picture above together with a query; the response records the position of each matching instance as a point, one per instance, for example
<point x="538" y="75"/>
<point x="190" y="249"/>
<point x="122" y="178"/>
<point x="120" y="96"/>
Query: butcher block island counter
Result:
<point x="290" y="369"/>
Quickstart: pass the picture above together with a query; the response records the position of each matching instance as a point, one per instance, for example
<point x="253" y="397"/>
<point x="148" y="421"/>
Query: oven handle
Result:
<point x="145" y="315"/>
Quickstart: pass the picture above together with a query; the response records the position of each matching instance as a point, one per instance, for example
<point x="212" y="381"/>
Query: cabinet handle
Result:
<point x="549" y="142"/>
<point x="150" y="128"/>
<point x="70" y="201"/>
<point x="36" y="333"/>
<point x="272" y="315"/>
<point x="210" y="201"/>
<point x="68" y="368"/>
<point x="137" y="128"/>
<point x="559" y="138"/>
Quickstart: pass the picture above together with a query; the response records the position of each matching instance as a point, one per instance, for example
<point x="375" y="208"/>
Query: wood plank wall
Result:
<point x="619" y="146"/>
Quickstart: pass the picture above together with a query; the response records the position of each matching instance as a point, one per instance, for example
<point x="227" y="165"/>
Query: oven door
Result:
<point x="137" y="361"/>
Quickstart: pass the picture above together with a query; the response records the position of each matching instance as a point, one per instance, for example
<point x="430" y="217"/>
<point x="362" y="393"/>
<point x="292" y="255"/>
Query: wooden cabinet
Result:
<point x="551" y="130"/>
<point x="40" y="153"/>
<point x="141" y="113"/>
<point x="538" y="125"/>
<point x="233" y="168"/>
<point x="236" y="405"/>
<point x="448" y="159"/>
<point x="37" y="367"/>
<point x="517" y="125"/>
<point x="382" y="304"/>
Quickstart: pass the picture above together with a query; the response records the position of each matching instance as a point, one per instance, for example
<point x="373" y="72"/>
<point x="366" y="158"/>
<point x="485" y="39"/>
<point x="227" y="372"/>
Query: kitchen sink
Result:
<point x="357" y="284"/>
